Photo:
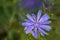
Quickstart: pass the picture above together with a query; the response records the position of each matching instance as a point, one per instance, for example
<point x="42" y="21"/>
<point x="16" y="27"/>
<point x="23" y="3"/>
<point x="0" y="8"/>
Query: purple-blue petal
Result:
<point x="35" y="34"/>
<point x="46" y="27"/>
<point x="29" y="29"/>
<point x="26" y="24"/>
<point x="26" y="28"/>
<point x="28" y="21"/>
<point x="30" y="17"/>
<point x="39" y="15"/>
<point x="34" y="16"/>
<point x="35" y="29"/>
<point x="44" y="18"/>
<point x="42" y="31"/>
<point x="46" y="22"/>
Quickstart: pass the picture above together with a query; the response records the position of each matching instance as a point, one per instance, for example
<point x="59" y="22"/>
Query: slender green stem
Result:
<point x="38" y="35"/>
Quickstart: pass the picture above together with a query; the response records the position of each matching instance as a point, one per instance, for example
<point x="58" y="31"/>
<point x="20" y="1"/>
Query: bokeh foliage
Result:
<point x="11" y="17"/>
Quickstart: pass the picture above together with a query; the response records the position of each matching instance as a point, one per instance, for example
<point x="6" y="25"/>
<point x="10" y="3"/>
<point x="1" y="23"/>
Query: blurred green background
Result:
<point x="12" y="15"/>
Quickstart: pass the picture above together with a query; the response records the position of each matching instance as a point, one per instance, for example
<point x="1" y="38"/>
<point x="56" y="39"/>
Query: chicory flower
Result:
<point x="37" y="23"/>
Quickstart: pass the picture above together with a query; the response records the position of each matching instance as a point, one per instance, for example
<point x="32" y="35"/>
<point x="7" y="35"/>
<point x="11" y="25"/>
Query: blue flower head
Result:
<point x="37" y="23"/>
